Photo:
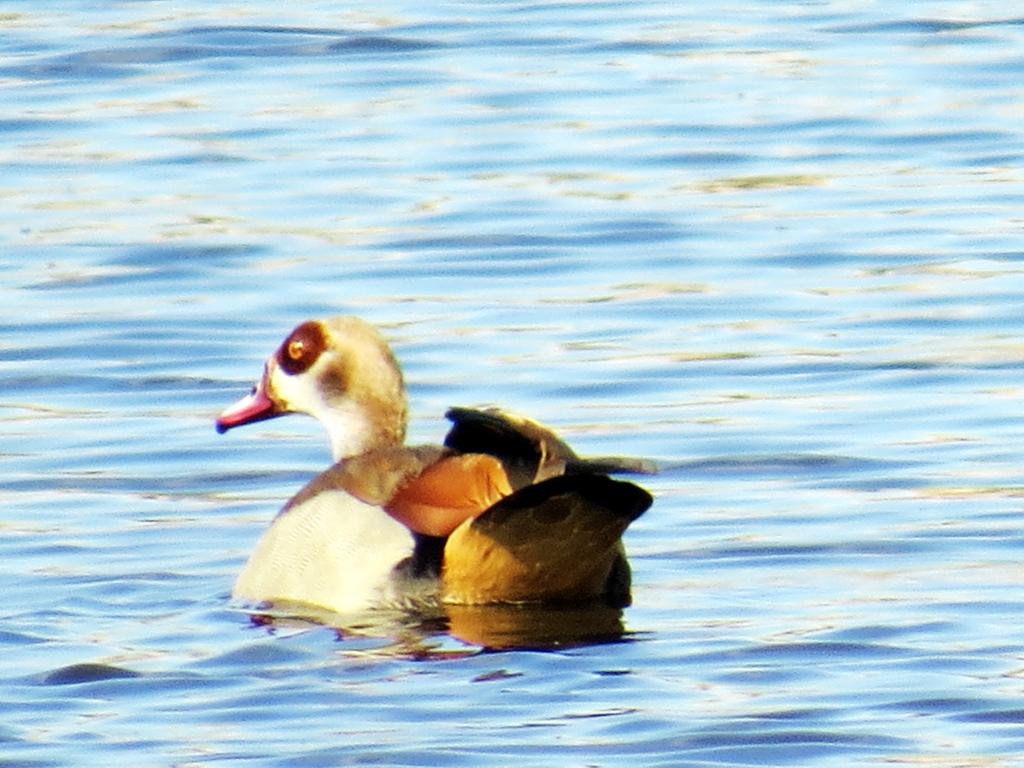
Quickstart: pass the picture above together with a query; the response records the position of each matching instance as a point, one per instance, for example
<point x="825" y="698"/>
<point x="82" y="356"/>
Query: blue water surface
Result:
<point x="774" y="247"/>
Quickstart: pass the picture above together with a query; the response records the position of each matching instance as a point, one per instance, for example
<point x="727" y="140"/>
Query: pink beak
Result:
<point x="256" y="406"/>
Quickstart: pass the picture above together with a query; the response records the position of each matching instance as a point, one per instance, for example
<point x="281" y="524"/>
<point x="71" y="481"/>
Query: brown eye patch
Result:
<point x="302" y="348"/>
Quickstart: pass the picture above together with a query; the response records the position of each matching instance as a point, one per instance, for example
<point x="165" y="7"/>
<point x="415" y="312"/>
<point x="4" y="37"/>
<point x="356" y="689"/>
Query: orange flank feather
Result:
<point x="558" y="540"/>
<point x="449" y="492"/>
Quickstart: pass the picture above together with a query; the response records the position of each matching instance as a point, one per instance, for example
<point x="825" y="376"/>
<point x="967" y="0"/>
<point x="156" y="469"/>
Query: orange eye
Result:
<point x="302" y="348"/>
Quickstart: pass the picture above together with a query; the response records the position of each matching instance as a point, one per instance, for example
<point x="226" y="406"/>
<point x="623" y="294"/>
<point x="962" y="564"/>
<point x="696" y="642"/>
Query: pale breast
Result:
<point x="331" y="550"/>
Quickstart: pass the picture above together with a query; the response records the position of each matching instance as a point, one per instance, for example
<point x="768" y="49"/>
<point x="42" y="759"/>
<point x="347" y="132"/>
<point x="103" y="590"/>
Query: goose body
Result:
<point x="503" y="512"/>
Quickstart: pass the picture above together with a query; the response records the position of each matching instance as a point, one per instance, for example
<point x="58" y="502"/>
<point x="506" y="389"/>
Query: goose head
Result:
<point x="341" y="372"/>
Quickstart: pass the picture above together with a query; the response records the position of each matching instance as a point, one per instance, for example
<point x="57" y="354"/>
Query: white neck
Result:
<point x="349" y="431"/>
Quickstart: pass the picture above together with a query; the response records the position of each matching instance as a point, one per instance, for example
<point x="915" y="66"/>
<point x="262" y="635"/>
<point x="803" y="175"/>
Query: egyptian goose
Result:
<point x="504" y="512"/>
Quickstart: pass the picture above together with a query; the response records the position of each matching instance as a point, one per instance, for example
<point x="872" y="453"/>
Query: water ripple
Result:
<point x="776" y="249"/>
